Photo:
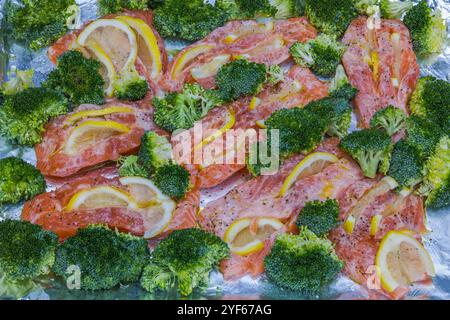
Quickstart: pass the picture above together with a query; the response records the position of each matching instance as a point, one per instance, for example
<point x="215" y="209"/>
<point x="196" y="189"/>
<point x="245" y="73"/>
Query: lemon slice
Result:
<point x="383" y="186"/>
<point x="312" y="164"/>
<point x="375" y="223"/>
<point x="91" y="132"/>
<point x="157" y="208"/>
<point x="254" y="103"/>
<point x="101" y="197"/>
<point x="261" y="124"/>
<point x="401" y="260"/>
<point x="108" y="71"/>
<point x="243" y="241"/>
<point x="211" y="68"/>
<point x="231" y="121"/>
<point x="269" y="46"/>
<point x="148" y="49"/>
<point x="188" y="56"/>
<point x="97" y="113"/>
<point x="115" y="37"/>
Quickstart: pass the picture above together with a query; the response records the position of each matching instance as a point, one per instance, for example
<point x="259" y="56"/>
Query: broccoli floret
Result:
<point x="240" y="78"/>
<point x="367" y="7"/>
<point x="256" y="8"/>
<point x="300" y="130"/>
<point x="390" y="119"/>
<point x="172" y="180"/>
<point x="180" y="110"/>
<point x="371" y="148"/>
<point x="304" y="263"/>
<point x="406" y="164"/>
<point x="423" y="134"/>
<point x="331" y="16"/>
<point x="105" y="257"/>
<point x="431" y="99"/>
<point x="319" y="217"/>
<point x="436" y="183"/>
<point x="184" y="259"/>
<point x="26" y="253"/>
<point x="322" y="54"/>
<point x="131" y="86"/>
<point x="23" y="115"/>
<point x="19" y="81"/>
<point x="428" y="29"/>
<point x="78" y="78"/>
<point x="41" y="22"/>
<point x="338" y="112"/>
<point x="155" y="152"/>
<point x="106" y="7"/>
<point x="19" y="181"/>
<point x="340" y="86"/>
<point x="130" y="166"/>
<point x="252" y="9"/>
<point x="394" y="9"/>
<point x="188" y="20"/>
<point x="275" y="74"/>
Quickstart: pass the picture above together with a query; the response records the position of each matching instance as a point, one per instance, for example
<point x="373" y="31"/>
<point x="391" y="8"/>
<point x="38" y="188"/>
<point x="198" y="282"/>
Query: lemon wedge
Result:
<point x="91" y="132"/>
<point x="101" y="197"/>
<point x="148" y="49"/>
<point x="231" y="121"/>
<point x="157" y="208"/>
<point x="244" y="241"/>
<point x="97" y="113"/>
<point x="261" y="124"/>
<point x="374" y="224"/>
<point x="115" y="37"/>
<point x="312" y="164"/>
<point x="188" y="56"/>
<point x="210" y="68"/>
<point x="254" y="103"/>
<point x="108" y="71"/>
<point x="401" y="260"/>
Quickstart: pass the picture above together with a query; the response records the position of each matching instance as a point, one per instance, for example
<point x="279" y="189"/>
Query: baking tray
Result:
<point x="437" y="240"/>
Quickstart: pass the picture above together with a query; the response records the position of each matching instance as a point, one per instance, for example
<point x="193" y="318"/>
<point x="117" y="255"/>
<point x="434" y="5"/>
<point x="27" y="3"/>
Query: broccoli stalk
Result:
<point x="185" y="258"/>
<point x="367" y="7"/>
<point x="395" y="9"/>
<point x="130" y="86"/>
<point x="371" y="148"/>
<point x="406" y="164"/>
<point x="428" y="29"/>
<point x="19" y="81"/>
<point x="275" y="75"/>
<point x="106" y="7"/>
<point x="304" y="263"/>
<point x="390" y="119"/>
<point x="319" y="217"/>
<point x="322" y="54"/>
<point x="340" y="86"/>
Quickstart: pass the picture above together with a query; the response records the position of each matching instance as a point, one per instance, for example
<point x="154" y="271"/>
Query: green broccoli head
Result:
<point x="19" y="181"/>
<point x="26" y="251"/>
<point x="331" y="16"/>
<point x="319" y="217"/>
<point x="130" y="86"/>
<point x="322" y="54"/>
<point x="304" y="263"/>
<point x="431" y="99"/>
<point x="185" y="258"/>
<point x="106" y="7"/>
<point x="240" y="78"/>
<point x="423" y="134"/>
<point x="337" y="111"/>
<point x="275" y="75"/>
<point x="406" y="164"/>
<point x="19" y="81"/>
<point x="155" y="152"/>
<point x="367" y="7"/>
<point x="371" y="148"/>
<point x="340" y="86"/>
<point x="130" y="166"/>
<point x="390" y="119"/>
<point x="300" y="130"/>
<point x="394" y="9"/>
<point x="23" y="115"/>
<point x="78" y="78"/>
<point x="436" y="183"/>
<point x="428" y="29"/>
<point x="172" y="180"/>
<point x="180" y="110"/>
<point x="39" y="23"/>
<point x="105" y="257"/>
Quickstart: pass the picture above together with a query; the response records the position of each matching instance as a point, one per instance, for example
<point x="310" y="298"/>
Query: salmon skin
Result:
<point x="54" y="161"/>
<point x="300" y="87"/>
<point x="381" y="64"/>
<point x="48" y="209"/>
<point x="266" y="43"/>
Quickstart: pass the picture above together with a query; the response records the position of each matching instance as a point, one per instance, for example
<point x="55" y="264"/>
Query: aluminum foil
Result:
<point x="437" y="241"/>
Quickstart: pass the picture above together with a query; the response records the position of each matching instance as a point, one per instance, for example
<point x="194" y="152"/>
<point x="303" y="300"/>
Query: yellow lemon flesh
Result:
<point x="188" y="56"/>
<point x="101" y="197"/>
<point x="97" y="113"/>
<point x="91" y="132"/>
<point x="261" y="124"/>
<point x="243" y="241"/>
<point x="148" y="49"/>
<point x="254" y="103"/>
<point x="374" y="224"/>
<point x="401" y="260"/>
<point x="312" y="164"/>
<point x="108" y="71"/>
<point x="210" y="68"/>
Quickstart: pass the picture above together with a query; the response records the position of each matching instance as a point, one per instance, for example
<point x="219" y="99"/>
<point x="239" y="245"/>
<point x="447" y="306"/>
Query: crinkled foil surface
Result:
<point x="437" y="240"/>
